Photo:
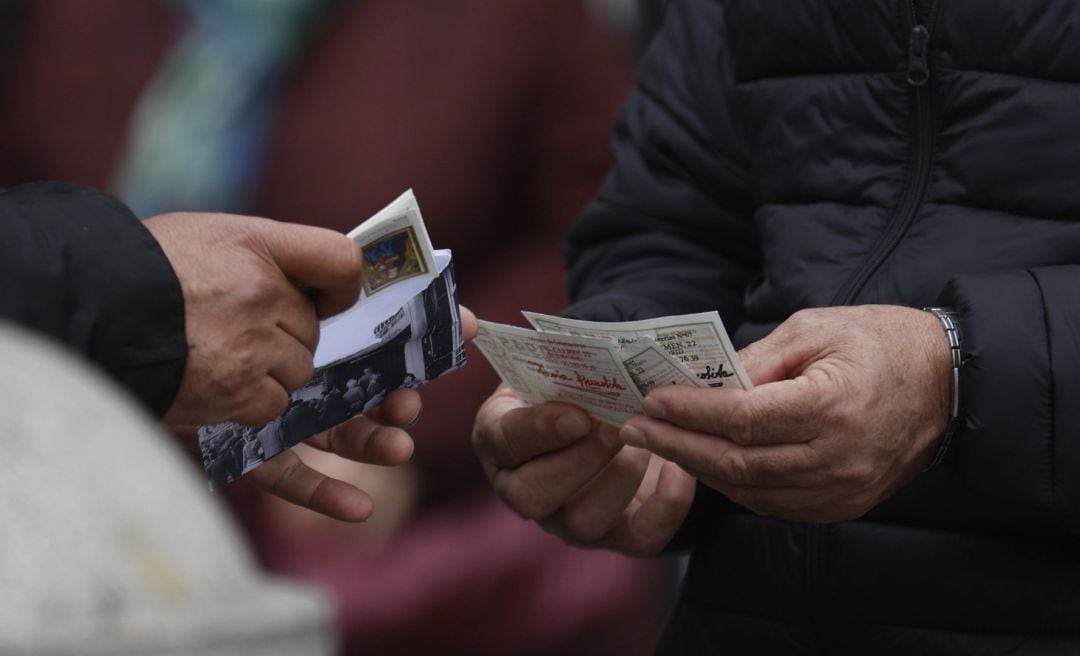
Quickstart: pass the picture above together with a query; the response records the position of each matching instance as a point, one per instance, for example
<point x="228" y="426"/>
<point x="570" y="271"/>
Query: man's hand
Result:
<point x="553" y="464"/>
<point x="377" y="438"/>
<point x="850" y="405"/>
<point x="251" y="330"/>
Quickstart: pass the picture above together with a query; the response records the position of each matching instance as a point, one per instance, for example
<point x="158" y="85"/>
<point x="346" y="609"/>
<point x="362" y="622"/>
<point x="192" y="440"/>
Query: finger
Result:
<point x="598" y="507"/>
<point x="365" y="440"/>
<point x="710" y="456"/>
<point x="293" y="365"/>
<point x="297" y="317"/>
<point x="540" y="487"/>
<point x="535" y="430"/>
<point x="469" y="326"/>
<point x="400" y="408"/>
<point x="257" y="404"/>
<point x="649" y="525"/>
<point x="487" y="437"/>
<point x="287" y="477"/>
<point x="784" y="412"/>
<point x="325" y="260"/>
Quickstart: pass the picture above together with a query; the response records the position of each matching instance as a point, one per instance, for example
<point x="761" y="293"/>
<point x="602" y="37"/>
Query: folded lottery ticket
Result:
<point x="608" y="368"/>
<point x="404" y="331"/>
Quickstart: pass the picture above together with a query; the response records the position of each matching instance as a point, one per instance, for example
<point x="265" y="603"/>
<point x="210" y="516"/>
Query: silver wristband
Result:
<point x="947" y="317"/>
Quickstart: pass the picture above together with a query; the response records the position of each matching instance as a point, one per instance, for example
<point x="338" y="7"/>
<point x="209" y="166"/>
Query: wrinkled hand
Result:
<point x="378" y="437"/>
<point x="251" y="331"/>
<point x="553" y="464"/>
<point x="850" y="405"/>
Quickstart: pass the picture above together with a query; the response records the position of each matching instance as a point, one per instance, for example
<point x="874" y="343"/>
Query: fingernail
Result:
<point x="654" y="408"/>
<point x="571" y="427"/>
<point x="631" y="436"/>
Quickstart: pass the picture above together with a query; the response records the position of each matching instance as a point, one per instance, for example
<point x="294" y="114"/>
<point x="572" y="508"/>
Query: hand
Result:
<point x="553" y="464"/>
<point x="850" y="405"/>
<point x="377" y="438"/>
<point x="251" y="330"/>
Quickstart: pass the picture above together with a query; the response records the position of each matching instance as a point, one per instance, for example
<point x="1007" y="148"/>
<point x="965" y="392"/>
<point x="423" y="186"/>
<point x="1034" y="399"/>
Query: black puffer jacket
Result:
<point x="76" y="265"/>
<point x="785" y="154"/>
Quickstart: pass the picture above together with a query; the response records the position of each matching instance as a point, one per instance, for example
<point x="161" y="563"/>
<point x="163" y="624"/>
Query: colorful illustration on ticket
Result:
<point x="393" y="258"/>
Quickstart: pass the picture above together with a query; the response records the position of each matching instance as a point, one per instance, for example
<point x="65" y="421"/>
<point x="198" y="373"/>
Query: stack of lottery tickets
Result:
<point x="608" y="368"/>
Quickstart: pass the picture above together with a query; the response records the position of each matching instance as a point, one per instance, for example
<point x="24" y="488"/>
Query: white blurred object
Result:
<point x="109" y="540"/>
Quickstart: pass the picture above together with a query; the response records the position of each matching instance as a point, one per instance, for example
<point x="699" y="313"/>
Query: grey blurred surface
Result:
<point x="110" y="543"/>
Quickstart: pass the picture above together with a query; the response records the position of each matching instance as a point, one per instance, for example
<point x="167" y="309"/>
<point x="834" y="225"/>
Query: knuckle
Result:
<point x="854" y="473"/>
<point x="300" y="374"/>
<point x="255" y="292"/>
<point x="241" y="368"/>
<point x="267" y="406"/>
<point x="731" y="464"/>
<point x="740" y="422"/>
<point x="802" y="319"/>
<point x="233" y="385"/>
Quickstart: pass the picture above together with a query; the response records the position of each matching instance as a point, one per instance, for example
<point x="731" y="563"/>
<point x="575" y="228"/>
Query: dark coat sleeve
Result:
<point x="1019" y="442"/>
<point x="670" y="231"/>
<point x="77" y="265"/>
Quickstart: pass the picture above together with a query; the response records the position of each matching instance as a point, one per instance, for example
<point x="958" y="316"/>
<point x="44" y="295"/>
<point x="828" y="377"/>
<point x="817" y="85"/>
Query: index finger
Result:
<point x="324" y="260"/>
<point x="784" y="412"/>
<point x="287" y="477"/>
<point x="713" y="458"/>
<point x="365" y="440"/>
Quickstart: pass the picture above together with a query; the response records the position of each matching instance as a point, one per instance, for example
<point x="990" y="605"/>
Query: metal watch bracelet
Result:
<point x="947" y="317"/>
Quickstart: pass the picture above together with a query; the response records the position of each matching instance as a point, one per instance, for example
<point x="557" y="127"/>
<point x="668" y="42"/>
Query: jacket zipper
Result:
<point x="911" y="198"/>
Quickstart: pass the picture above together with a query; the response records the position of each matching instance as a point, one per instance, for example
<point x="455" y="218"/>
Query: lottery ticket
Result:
<point x="403" y="331"/>
<point x="607" y="373"/>
<point x="698" y="342"/>
<point x="543" y="367"/>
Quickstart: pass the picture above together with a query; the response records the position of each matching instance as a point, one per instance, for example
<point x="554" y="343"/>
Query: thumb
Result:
<point x="469" y="326"/>
<point x="325" y="260"/>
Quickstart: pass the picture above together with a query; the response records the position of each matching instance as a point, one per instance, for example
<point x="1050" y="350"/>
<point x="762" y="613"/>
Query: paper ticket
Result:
<point x="404" y="330"/>
<point x="605" y="378"/>
<point x="698" y="342"/>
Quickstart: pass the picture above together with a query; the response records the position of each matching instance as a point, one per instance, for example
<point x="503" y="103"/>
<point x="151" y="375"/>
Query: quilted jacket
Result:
<point x="785" y="154"/>
<point x="77" y="266"/>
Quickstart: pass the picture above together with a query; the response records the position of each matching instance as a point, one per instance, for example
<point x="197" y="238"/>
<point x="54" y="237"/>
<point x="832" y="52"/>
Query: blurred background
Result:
<point x="497" y="114"/>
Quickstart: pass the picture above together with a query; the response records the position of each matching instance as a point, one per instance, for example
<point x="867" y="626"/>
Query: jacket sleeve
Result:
<point x="1019" y="442"/>
<point x="670" y="231"/>
<point x="77" y="265"/>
